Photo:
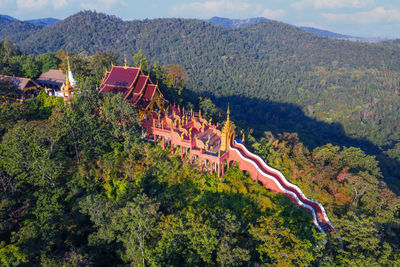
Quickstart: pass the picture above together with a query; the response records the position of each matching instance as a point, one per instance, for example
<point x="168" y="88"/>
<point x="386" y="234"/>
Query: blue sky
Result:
<point x="365" y="18"/>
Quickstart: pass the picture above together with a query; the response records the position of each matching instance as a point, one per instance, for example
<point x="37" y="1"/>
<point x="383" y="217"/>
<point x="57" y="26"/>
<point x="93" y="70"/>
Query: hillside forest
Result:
<point x="80" y="189"/>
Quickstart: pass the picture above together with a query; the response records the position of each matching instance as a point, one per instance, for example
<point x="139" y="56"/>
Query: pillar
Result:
<point x="181" y="152"/>
<point x="201" y="164"/>
<point x="163" y="142"/>
<point x="219" y="169"/>
<point x="155" y="139"/>
<point x="211" y="167"/>
<point x="223" y="167"/>
<point x="172" y="148"/>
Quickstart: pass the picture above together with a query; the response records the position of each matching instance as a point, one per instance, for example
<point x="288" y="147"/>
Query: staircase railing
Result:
<point x="289" y="185"/>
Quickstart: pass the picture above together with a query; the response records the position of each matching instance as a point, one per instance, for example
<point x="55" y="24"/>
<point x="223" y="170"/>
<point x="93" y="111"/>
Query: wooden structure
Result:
<point x="52" y="81"/>
<point x="24" y="88"/>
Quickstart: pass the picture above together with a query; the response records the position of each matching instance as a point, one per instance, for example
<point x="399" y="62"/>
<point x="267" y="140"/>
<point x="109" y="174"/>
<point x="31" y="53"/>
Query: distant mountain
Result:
<point x="233" y="23"/>
<point x="43" y="22"/>
<point x="18" y="30"/>
<point x="326" y="33"/>
<point x="6" y="19"/>
<point x="331" y="80"/>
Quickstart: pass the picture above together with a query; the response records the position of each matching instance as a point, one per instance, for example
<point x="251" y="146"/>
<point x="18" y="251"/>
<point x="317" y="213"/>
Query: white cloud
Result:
<point x="374" y="16"/>
<point x="40" y="4"/>
<point x="273" y="14"/>
<point x="224" y="8"/>
<point x="101" y="4"/>
<point x="331" y="4"/>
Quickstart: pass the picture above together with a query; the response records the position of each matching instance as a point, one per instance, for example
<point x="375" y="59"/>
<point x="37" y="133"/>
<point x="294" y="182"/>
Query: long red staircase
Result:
<point x="274" y="180"/>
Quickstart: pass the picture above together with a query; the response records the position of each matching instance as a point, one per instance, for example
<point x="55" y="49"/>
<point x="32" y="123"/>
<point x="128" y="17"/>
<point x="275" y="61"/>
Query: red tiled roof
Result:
<point x="148" y="96"/>
<point x="120" y="77"/>
<point x="136" y="91"/>
<point x="136" y="87"/>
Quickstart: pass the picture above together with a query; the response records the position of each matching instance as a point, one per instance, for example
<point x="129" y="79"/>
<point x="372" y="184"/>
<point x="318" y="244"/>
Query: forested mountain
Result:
<point x="6" y="19"/>
<point x="233" y="23"/>
<point x="18" y="30"/>
<point x="43" y="21"/>
<point x="79" y="187"/>
<point x="326" y="33"/>
<point x="39" y="22"/>
<point x="276" y="76"/>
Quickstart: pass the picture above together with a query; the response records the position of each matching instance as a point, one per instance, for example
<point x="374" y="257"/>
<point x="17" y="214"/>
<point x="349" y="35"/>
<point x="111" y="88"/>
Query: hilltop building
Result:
<point x="136" y="87"/>
<point x="198" y="140"/>
<point x="54" y="80"/>
<point x="24" y="88"/>
<point x="67" y="90"/>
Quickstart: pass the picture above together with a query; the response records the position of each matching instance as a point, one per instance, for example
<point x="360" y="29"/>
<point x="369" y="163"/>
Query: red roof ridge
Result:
<point x="134" y="87"/>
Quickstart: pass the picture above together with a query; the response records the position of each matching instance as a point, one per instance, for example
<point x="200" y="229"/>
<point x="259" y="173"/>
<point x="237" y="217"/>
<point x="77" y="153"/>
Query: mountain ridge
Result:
<point x="4" y="19"/>
<point x="234" y="23"/>
<point x="351" y="86"/>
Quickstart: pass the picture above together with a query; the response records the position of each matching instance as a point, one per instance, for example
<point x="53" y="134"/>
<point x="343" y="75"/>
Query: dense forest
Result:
<point x="277" y="77"/>
<point x="79" y="187"/>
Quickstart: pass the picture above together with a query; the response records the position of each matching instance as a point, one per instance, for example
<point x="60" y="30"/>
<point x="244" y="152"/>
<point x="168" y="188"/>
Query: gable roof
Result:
<point x="136" y="92"/>
<point x="136" y="87"/>
<point x="121" y="78"/>
<point x="52" y="77"/>
<point x="18" y="82"/>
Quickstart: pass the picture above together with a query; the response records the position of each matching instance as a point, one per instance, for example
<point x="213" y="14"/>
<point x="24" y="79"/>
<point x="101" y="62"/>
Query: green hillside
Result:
<point x="79" y="187"/>
<point x="277" y="77"/>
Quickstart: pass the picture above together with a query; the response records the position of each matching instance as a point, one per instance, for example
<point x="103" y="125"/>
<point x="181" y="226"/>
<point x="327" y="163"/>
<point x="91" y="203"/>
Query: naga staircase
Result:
<point x="214" y="149"/>
<point x="274" y="180"/>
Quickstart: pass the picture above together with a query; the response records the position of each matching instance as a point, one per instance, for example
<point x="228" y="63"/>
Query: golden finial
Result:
<point x="209" y="122"/>
<point x="126" y="63"/>
<point x="242" y="137"/>
<point x="67" y="82"/>
<point x="227" y="113"/>
<point x="69" y="67"/>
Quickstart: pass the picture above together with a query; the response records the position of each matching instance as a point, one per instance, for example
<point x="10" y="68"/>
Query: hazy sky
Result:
<point x="366" y="18"/>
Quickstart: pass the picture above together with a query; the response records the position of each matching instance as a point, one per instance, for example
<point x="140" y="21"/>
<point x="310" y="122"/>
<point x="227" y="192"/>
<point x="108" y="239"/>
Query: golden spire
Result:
<point x="126" y="64"/>
<point x="227" y="114"/>
<point x="67" y="82"/>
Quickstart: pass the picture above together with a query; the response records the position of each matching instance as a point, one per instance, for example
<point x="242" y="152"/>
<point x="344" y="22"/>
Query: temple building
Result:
<point x="136" y="87"/>
<point x="198" y="141"/>
<point x="67" y="89"/>
<point x="54" y="80"/>
<point x="24" y="88"/>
